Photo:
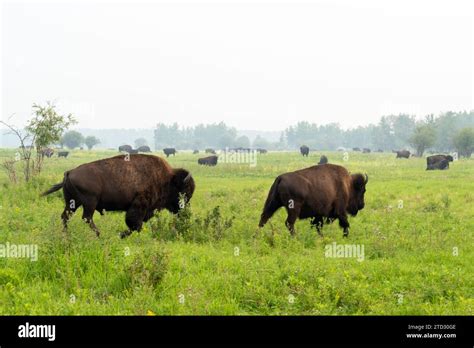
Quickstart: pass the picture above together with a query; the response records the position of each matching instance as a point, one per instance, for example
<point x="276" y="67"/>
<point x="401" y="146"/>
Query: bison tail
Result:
<point x="53" y="188"/>
<point x="271" y="204"/>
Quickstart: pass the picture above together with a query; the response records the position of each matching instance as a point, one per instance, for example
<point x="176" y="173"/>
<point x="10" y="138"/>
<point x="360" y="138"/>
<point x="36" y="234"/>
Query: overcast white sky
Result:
<point x="253" y="65"/>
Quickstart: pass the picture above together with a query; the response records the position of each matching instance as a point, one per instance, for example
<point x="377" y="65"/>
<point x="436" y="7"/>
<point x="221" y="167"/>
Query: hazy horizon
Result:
<point x="258" y="67"/>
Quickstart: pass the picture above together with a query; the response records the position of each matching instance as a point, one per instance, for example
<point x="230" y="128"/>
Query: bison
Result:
<point x="125" y="148"/>
<point x="441" y="165"/>
<point x="63" y="154"/>
<point x="139" y="186"/>
<point x="304" y="150"/>
<point x="323" y="160"/>
<point x="209" y="150"/>
<point x="262" y="151"/>
<point x="144" y="148"/>
<point x="318" y="192"/>
<point x="438" y="162"/>
<point x="402" y="153"/>
<point x="356" y="149"/>
<point x="208" y="161"/>
<point x="365" y="150"/>
<point x="195" y="152"/>
<point x="169" y="151"/>
<point x="438" y="158"/>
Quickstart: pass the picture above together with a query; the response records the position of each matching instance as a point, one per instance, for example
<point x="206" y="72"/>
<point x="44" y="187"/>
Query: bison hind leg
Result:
<point x="293" y="214"/>
<point x="87" y="216"/>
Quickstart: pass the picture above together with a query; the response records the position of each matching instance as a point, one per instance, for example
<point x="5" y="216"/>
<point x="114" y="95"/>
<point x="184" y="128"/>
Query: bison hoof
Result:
<point x="124" y="234"/>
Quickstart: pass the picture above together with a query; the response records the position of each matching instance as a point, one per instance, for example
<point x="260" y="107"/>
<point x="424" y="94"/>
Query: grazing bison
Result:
<point x="323" y="160"/>
<point x="139" y="186"/>
<point x="48" y="152"/>
<point x="379" y="150"/>
<point x="209" y="150"/>
<point x="208" y="161"/>
<point x="262" y="151"/>
<point x="441" y="165"/>
<point x="144" y="148"/>
<point x="195" y="152"/>
<point x="402" y="153"/>
<point x="63" y="154"/>
<point x="125" y="148"/>
<point x="304" y="150"/>
<point x="169" y="151"/>
<point x="323" y="191"/>
<point x="365" y="150"/>
<point x="438" y="162"/>
<point x="437" y="158"/>
<point x="355" y="149"/>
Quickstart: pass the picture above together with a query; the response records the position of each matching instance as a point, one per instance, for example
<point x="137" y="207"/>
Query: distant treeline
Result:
<point x="391" y="132"/>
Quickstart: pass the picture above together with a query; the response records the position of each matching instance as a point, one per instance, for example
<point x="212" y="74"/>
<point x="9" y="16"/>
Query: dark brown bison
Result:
<point x="63" y="154"/>
<point x="262" y="151"/>
<point x="355" y="149"/>
<point x="209" y="150"/>
<point x="169" y="151"/>
<point x="365" y="150"/>
<point x="208" y="161"/>
<point x="139" y="186"/>
<point x="304" y="150"/>
<point x="125" y="148"/>
<point x="319" y="192"/>
<point x="441" y="165"/>
<point x="402" y="154"/>
<point x="144" y="148"/>
<point x="323" y="160"/>
<point x="438" y="158"/>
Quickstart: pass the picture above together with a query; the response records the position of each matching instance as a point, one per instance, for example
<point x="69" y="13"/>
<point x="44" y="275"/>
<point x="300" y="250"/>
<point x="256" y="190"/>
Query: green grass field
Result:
<point x="416" y="230"/>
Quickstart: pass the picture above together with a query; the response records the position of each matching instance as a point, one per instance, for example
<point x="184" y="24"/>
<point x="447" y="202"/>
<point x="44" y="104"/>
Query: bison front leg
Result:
<point x="134" y="217"/>
<point x="344" y="223"/>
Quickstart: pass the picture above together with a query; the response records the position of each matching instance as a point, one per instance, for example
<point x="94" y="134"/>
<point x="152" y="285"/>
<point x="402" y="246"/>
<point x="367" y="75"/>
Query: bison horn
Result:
<point x="186" y="179"/>
<point x="366" y="178"/>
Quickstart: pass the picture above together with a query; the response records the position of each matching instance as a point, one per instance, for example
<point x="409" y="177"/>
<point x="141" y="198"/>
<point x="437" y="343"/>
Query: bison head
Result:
<point x="356" y="200"/>
<point x="181" y="185"/>
<point x="450" y="158"/>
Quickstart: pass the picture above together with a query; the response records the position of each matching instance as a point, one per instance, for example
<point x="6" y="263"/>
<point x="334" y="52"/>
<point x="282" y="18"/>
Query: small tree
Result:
<point x="73" y="139"/>
<point x="464" y="142"/>
<point x="91" y="141"/>
<point x="46" y="126"/>
<point x="422" y="138"/>
<point x="140" y="142"/>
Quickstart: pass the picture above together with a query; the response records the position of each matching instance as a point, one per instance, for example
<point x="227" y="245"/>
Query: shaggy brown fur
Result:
<point x="137" y="184"/>
<point x="319" y="192"/>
